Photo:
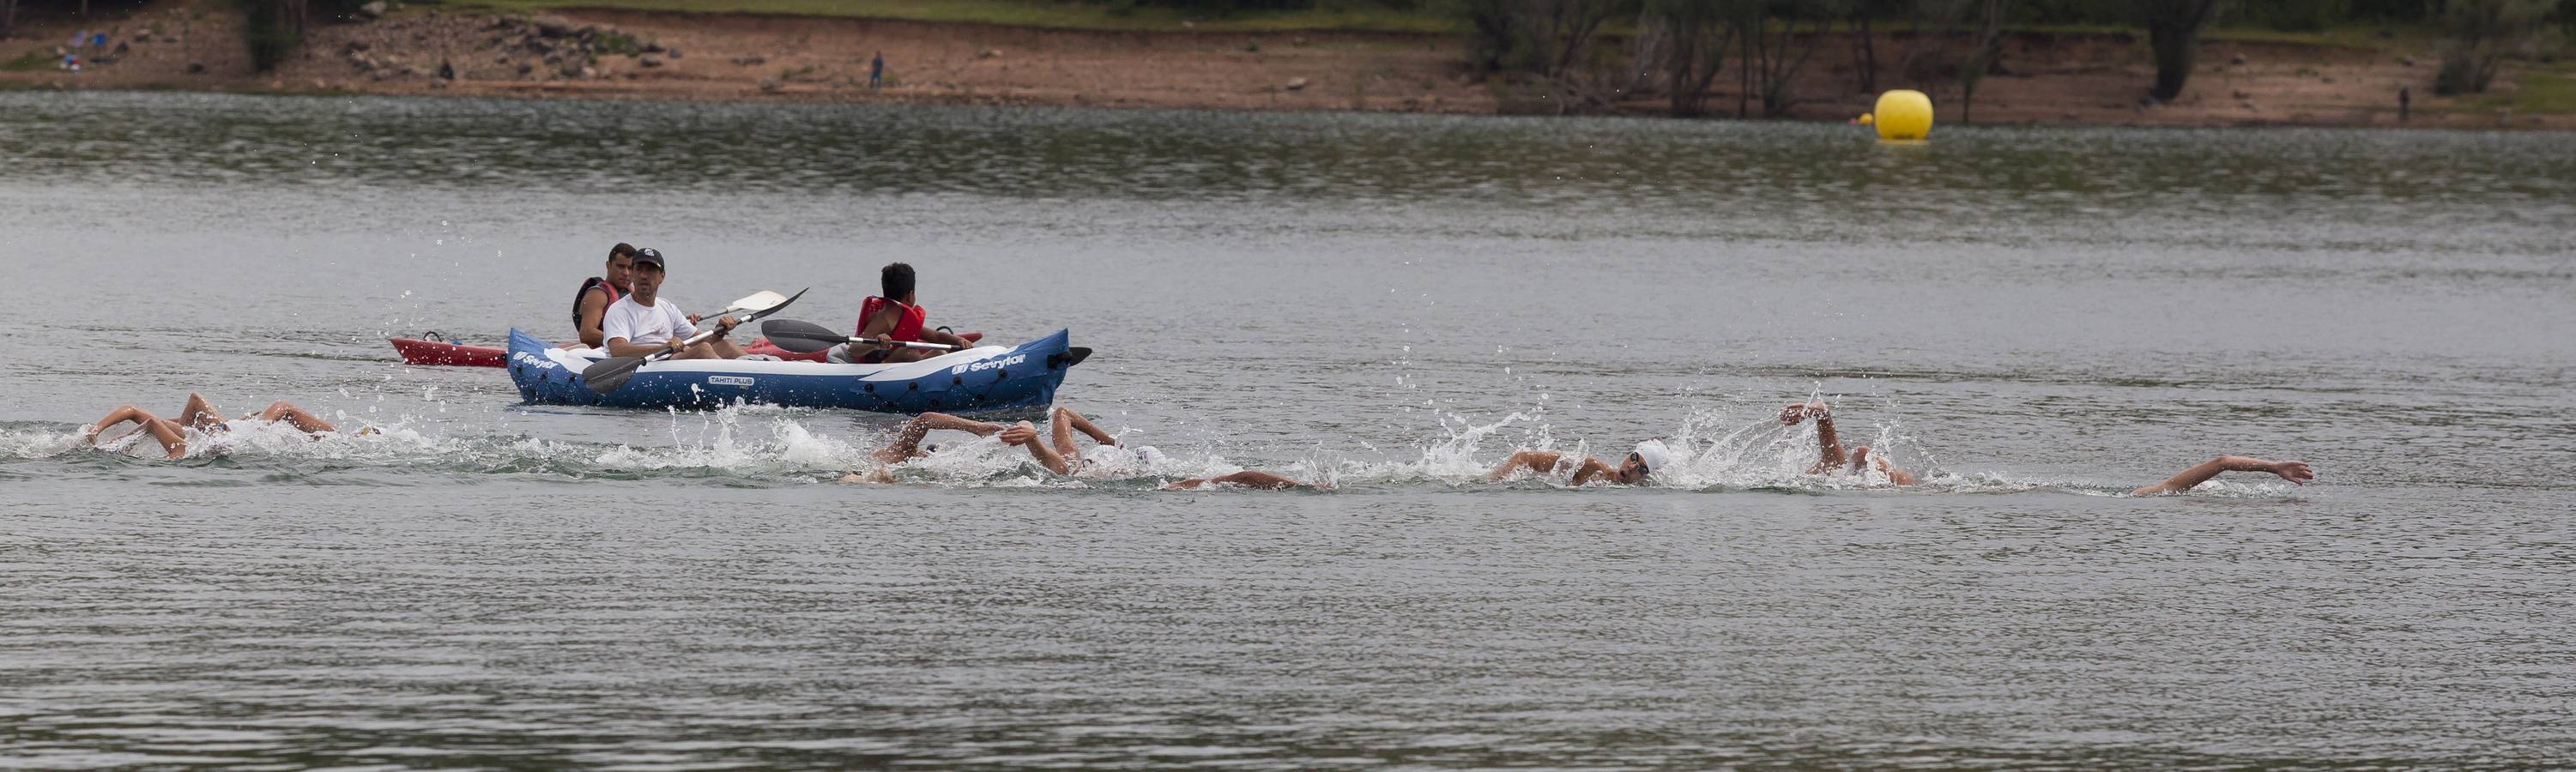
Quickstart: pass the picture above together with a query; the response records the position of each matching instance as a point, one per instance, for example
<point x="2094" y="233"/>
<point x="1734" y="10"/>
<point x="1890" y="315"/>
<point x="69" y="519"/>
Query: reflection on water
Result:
<point x="2032" y="317"/>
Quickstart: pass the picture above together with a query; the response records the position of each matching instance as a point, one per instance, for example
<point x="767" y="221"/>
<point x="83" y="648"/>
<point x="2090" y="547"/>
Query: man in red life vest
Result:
<point x="590" y="305"/>
<point x="894" y="317"/>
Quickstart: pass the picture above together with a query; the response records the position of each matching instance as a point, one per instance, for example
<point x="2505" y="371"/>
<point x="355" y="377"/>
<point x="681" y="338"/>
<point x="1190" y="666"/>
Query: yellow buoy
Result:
<point x="1903" y="114"/>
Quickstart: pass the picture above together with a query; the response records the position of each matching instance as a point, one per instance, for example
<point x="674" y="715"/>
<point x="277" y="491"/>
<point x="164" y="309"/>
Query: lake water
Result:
<point x="2035" y="319"/>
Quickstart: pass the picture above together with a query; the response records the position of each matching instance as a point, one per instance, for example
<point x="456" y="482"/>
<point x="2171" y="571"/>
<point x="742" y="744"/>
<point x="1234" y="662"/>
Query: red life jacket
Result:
<point x="586" y="284"/>
<point x="907" y="329"/>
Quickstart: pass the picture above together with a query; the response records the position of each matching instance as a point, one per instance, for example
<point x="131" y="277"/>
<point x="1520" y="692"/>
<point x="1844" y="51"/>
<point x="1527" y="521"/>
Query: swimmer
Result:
<point x="1058" y="452"/>
<point x="1835" y="458"/>
<point x="1649" y="456"/>
<point x="201" y="416"/>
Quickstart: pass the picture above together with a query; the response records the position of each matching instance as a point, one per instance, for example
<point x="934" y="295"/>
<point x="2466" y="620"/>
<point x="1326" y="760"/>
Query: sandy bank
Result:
<point x="2047" y="78"/>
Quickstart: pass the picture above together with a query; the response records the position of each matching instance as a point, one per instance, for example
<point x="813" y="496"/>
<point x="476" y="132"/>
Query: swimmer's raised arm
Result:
<point x="907" y="441"/>
<point x="1026" y="436"/>
<point x="1536" y="461"/>
<point x="173" y="442"/>
<point x="2297" y="472"/>
<point x="1827" y="439"/>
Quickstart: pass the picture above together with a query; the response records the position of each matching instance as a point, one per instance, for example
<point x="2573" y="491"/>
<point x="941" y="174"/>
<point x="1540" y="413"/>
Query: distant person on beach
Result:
<point x="1836" y="459"/>
<point x="590" y="303"/>
<point x="1057" y="452"/>
<point x="201" y="416"/>
<point x="876" y="71"/>
<point x="1648" y="457"/>
<point x="644" y="322"/>
<point x="896" y="316"/>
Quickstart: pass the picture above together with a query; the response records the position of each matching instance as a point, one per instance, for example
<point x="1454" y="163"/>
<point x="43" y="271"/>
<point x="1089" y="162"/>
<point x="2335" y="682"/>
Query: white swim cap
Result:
<point x="1148" y="455"/>
<point x="1655" y="455"/>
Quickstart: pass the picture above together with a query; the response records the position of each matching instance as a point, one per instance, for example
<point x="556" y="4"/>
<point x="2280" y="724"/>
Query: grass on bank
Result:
<point x="2539" y="90"/>
<point x="1361" y="17"/>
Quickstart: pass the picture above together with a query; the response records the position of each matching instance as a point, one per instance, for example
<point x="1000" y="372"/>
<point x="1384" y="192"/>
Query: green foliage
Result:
<point x="34" y="60"/>
<point x="2482" y="32"/>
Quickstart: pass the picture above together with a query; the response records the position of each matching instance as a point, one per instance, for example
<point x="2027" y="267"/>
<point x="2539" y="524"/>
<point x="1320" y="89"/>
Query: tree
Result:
<point x="2173" y="34"/>
<point x="2481" y="32"/>
<point x="1696" y="34"/>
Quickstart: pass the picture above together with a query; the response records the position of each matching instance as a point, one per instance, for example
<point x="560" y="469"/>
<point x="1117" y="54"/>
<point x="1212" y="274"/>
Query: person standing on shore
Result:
<point x="876" y="71"/>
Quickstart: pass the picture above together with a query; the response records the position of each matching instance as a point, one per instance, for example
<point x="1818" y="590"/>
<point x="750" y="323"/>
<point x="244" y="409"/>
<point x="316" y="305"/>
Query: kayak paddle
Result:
<point x="808" y="337"/>
<point x="606" y="375"/>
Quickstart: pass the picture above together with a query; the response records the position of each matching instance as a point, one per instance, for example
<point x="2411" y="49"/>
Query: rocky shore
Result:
<point x="2048" y="79"/>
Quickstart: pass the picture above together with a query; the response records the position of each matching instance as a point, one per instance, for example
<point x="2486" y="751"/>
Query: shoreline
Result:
<point x="2068" y="78"/>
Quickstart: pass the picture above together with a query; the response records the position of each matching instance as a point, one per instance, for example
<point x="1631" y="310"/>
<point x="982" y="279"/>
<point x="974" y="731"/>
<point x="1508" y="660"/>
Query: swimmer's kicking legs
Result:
<point x="200" y="415"/>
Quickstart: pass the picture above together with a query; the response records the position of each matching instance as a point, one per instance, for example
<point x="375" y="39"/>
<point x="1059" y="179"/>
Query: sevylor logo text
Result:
<point x="533" y="359"/>
<point x="973" y="367"/>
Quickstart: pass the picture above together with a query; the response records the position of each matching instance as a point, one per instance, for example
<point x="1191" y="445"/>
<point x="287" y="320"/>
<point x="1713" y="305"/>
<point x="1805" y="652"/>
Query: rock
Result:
<point x="321" y="85"/>
<point x="2406" y="61"/>
<point x="673" y="52"/>
<point x="652" y="48"/>
<point x="415" y="72"/>
<point x="770" y="85"/>
<point x="2240" y="94"/>
<point x="572" y="69"/>
<point x="988" y="54"/>
<point x="552" y="61"/>
<point x="1296" y="84"/>
<point x="650" y="61"/>
<point x="748" y="61"/>
<point x="1298" y="41"/>
<point x="355" y="46"/>
<point x="503" y="60"/>
<point x="380" y="74"/>
<point x="2236" y="61"/>
<point x="196" y="67"/>
<point x="589" y="74"/>
<point x="525" y="68"/>
<point x="438" y="84"/>
<point x="553" y="27"/>
<point x="374" y="9"/>
<point x="446" y="71"/>
<point x="143" y="37"/>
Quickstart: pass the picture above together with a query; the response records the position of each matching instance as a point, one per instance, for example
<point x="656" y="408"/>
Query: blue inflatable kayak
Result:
<point x="981" y="378"/>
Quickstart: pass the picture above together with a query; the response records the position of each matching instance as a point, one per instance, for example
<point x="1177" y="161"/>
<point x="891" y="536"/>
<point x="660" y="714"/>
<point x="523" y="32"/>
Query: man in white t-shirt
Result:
<point x="642" y="322"/>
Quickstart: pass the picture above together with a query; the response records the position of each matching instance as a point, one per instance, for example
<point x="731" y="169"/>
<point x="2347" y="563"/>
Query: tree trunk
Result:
<point x="8" y="17"/>
<point x="1868" y="58"/>
<point x="2173" y="33"/>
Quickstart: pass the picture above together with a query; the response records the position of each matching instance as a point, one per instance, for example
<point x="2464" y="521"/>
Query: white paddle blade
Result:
<point x="757" y="301"/>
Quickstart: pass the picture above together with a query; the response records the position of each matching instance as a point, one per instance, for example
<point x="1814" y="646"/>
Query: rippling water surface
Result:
<point x="2035" y="319"/>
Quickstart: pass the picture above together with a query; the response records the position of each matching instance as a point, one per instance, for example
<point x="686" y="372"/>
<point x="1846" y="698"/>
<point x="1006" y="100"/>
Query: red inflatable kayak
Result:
<point x="433" y="352"/>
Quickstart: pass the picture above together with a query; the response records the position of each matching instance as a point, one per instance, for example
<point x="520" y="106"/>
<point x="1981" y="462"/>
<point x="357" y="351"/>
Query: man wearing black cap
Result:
<point x="642" y="322"/>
